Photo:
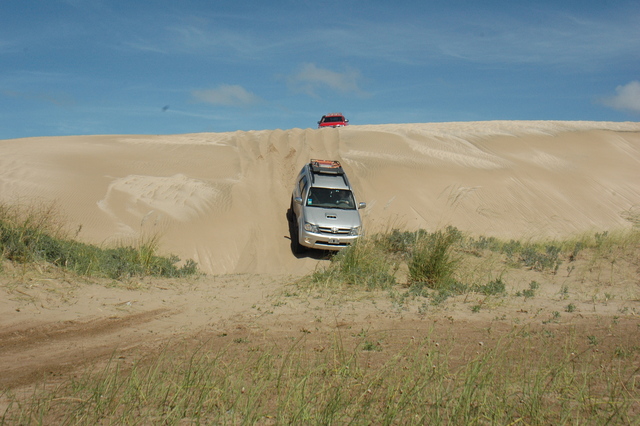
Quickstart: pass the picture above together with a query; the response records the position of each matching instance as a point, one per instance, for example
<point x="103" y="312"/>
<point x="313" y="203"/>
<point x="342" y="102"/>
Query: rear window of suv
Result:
<point x="333" y="119"/>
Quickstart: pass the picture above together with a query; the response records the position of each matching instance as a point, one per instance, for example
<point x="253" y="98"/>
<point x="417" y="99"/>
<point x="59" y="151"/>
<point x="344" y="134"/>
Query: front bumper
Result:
<point x="322" y="241"/>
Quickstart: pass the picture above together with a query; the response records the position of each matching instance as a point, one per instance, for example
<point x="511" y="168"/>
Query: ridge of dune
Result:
<point x="221" y="198"/>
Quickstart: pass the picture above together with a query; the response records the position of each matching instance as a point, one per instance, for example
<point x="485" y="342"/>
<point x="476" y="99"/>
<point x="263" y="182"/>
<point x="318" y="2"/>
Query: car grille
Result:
<point x="334" y="230"/>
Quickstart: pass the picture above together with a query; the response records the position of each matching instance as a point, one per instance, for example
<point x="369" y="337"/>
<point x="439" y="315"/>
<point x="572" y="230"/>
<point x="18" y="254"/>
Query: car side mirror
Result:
<point x="362" y="205"/>
<point x="297" y="200"/>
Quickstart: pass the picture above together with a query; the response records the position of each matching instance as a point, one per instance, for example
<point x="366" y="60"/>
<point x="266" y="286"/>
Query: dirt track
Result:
<point x="53" y="327"/>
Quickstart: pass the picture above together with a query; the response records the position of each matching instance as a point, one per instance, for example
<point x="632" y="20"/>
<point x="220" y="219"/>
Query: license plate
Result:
<point x="334" y="241"/>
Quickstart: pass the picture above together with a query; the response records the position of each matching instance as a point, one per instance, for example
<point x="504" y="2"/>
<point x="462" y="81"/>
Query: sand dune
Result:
<point x="221" y="198"/>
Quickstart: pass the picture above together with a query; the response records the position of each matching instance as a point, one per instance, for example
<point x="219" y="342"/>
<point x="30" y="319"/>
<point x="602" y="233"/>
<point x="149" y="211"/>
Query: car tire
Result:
<point x="296" y="247"/>
<point x="290" y="214"/>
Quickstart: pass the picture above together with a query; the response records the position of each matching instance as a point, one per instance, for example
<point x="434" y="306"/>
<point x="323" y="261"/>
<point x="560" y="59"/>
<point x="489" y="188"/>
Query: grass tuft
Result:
<point x="364" y="264"/>
<point x="433" y="263"/>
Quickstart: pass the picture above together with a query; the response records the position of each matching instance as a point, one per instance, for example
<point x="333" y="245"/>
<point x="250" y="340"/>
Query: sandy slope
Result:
<point x="221" y="198"/>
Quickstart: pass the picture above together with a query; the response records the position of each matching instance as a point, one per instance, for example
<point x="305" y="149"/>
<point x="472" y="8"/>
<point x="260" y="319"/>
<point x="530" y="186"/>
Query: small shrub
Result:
<point x="576" y="249"/>
<point x="530" y="292"/>
<point x="440" y="296"/>
<point x="494" y="287"/>
<point x="533" y="258"/>
<point x="512" y="248"/>
<point x="371" y="346"/>
<point x="432" y="263"/>
<point x="485" y="243"/>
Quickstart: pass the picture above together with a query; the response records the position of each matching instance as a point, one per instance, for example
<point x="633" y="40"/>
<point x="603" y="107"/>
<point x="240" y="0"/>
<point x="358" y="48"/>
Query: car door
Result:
<point x="301" y="191"/>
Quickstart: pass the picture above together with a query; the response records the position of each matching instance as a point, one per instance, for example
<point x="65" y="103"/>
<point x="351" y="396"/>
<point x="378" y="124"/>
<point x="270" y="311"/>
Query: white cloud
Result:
<point x="310" y="79"/>
<point x="627" y="97"/>
<point x="228" y="95"/>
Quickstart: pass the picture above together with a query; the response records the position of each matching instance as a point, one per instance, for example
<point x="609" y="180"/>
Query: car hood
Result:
<point x="332" y="217"/>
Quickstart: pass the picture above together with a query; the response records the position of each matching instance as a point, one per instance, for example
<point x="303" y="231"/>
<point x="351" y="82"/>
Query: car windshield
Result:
<point x="333" y="119"/>
<point x="331" y="198"/>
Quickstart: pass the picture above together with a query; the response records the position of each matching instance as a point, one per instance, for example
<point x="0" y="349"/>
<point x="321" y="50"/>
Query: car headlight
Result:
<point x="355" y="231"/>
<point x="310" y="227"/>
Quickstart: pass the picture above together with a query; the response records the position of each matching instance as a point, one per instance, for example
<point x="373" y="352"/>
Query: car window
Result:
<point x="331" y="198"/>
<point x="302" y="185"/>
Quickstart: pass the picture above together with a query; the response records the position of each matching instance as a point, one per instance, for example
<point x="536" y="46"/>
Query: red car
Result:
<point x="333" y="120"/>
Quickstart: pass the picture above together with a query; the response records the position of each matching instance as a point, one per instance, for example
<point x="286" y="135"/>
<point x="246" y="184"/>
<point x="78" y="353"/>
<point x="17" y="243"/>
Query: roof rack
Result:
<point x="328" y="167"/>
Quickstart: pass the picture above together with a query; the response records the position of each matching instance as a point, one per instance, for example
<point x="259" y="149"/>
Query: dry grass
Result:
<point x="524" y="376"/>
<point x="501" y="370"/>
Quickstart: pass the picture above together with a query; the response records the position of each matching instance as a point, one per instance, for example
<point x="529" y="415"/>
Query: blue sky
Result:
<point x="79" y="67"/>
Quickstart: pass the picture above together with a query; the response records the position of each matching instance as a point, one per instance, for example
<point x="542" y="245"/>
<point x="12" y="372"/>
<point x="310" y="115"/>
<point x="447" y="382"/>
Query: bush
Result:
<point x="432" y="263"/>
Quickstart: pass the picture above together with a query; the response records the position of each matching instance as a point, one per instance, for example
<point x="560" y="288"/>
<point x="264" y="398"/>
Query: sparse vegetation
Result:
<point x="422" y="383"/>
<point x="364" y="264"/>
<point x="36" y="234"/>
<point x="531" y="291"/>
<point x="492" y="288"/>
<point x="435" y="261"/>
<point x="528" y="376"/>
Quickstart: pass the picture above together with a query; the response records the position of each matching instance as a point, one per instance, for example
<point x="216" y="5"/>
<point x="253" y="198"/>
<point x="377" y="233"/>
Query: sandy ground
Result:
<point x="221" y="199"/>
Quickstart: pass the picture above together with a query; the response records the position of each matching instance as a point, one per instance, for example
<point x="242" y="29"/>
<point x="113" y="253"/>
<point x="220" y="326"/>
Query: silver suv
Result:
<point x="323" y="209"/>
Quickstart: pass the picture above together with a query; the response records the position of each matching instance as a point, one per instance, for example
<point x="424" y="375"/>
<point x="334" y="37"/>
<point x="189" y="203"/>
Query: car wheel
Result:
<point x="296" y="247"/>
<point x="290" y="214"/>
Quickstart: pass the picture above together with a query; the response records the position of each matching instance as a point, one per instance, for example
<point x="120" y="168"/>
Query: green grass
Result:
<point x="364" y="265"/>
<point x="432" y="263"/>
<point x="437" y="263"/>
<point x="35" y="234"/>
